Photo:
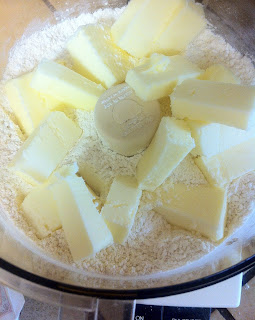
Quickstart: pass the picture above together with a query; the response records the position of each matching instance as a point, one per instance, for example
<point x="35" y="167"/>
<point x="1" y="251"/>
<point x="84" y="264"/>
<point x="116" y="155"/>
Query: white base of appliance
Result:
<point x="226" y="294"/>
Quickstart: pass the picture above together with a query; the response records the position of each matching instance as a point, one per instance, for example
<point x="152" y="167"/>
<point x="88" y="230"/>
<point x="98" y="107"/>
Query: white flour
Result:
<point x="153" y="245"/>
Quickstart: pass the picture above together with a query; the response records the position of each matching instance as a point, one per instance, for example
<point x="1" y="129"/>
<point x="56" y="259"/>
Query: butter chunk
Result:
<point x="218" y="72"/>
<point x="230" y="164"/>
<point x="225" y="103"/>
<point x="214" y="138"/>
<point x="93" y="178"/>
<point x="158" y="75"/>
<point x="46" y="147"/>
<point x="28" y="105"/>
<point x="40" y="208"/>
<point x="84" y="228"/>
<point x="141" y="24"/>
<point x="200" y="208"/>
<point x="170" y="145"/>
<point x="64" y="171"/>
<point x="96" y="57"/>
<point x="181" y="30"/>
<point x="121" y="206"/>
<point x="66" y="85"/>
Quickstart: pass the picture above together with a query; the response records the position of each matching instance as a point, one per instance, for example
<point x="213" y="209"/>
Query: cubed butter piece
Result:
<point x="141" y="24"/>
<point x="40" y="208"/>
<point x="46" y="147"/>
<point x="28" y="105"/>
<point x="200" y="208"/>
<point x="181" y="30"/>
<point x="230" y="164"/>
<point x="211" y="101"/>
<point x="218" y="72"/>
<point x="84" y="228"/>
<point x="96" y="57"/>
<point x="66" y="85"/>
<point x="71" y="170"/>
<point x="170" y="145"/>
<point x="121" y="206"/>
<point x="93" y="178"/>
<point x="158" y="75"/>
<point x="64" y="171"/>
<point x="214" y="138"/>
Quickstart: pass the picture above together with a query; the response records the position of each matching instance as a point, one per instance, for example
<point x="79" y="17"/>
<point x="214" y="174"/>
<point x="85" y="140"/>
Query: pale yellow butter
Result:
<point x="214" y="138"/>
<point x="84" y="228"/>
<point x="40" y="208"/>
<point x="230" y="164"/>
<point x="66" y="85"/>
<point x="158" y="75"/>
<point x="64" y="171"/>
<point x="181" y="30"/>
<point x="96" y="57"/>
<point x="141" y="24"/>
<point x="212" y="101"/>
<point x="28" y="105"/>
<point x="200" y="208"/>
<point x="170" y="145"/>
<point x="46" y="147"/>
<point x="93" y="178"/>
<point x="121" y="206"/>
<point x="218" y="72"/>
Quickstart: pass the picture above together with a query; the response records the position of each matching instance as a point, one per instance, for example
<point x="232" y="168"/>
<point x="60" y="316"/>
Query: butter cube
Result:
<point x="170" y="145"/>
<point x="93" y="178"/>
<point x="40" y="208"/>
<point x="218" y="72"/>
<point x="84" y="228"/>
<point x="157" y="76"/>
<point x="121" y="206"/>
<point x="133" y="9"/>
<point x="214" y="138"/>
<point x="64" y="171"/>
<point x="181" y="30"/>
<point x="66" y="85"/>
<point x="211" y="101"/>
<point x="28" y="105"/>
<point x="96" y="57"/>
<point x="46" y="147"/>
<point x="230" y="164"/>
<point x="141" y="24"/>
<point x="200" y="208"/>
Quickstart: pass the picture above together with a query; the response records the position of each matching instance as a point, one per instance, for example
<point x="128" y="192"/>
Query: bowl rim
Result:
<point x="127" y="294"/>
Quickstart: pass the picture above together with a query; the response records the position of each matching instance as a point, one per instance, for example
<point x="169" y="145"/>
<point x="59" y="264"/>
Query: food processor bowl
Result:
<point x="31" y="271"/>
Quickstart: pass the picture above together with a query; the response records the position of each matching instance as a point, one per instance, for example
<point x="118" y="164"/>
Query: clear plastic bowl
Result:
<point x="26" y="269"/>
